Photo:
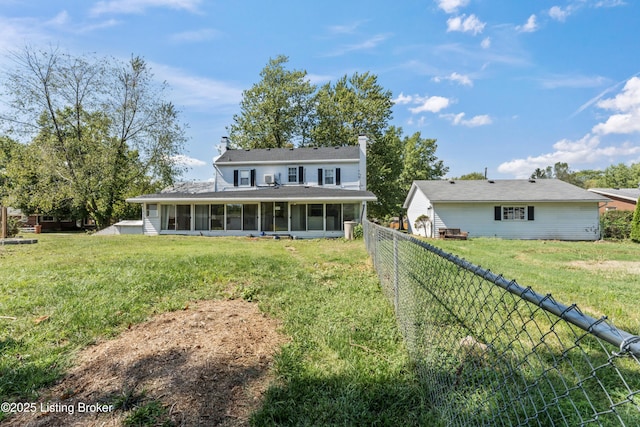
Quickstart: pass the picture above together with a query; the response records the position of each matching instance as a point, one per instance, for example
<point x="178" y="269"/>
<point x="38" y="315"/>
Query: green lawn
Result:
<point x="602" y="278"/>
<point x="345" y="364"/>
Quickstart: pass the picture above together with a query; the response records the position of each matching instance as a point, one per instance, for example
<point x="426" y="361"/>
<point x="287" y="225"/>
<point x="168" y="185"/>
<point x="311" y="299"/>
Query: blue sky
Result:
<point x="504" y="85"/>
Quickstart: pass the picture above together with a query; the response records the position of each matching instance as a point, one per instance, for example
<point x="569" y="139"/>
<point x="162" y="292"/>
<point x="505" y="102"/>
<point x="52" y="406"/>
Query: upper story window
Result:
<point x="245" y="176"/>
<point x="293" y="175"/>
<point x="328" y="177"/>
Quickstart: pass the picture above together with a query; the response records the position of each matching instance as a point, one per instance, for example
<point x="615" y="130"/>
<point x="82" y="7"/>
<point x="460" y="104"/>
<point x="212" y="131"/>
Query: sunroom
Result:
<point x="295" y="211"/>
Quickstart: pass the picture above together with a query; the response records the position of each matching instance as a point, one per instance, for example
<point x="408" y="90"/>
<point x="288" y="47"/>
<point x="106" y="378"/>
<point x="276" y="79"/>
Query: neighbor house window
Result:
<point x="514" y="213"/>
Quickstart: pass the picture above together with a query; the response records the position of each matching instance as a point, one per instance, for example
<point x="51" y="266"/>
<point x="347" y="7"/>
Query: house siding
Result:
<point x="419" y="206"/>
<point x="553" y="221"/>
<point x="349" y="175"/>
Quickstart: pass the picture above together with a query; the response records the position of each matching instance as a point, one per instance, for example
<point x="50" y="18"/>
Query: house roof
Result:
<point x="283" y="155"/>
<point x="203" y="192"/>
<point x="630" y="194"/>
<point x="502" y="190"/>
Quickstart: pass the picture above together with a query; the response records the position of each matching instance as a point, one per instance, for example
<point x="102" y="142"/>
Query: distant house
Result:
<point x="623" y="199"/>
<point x="300" y="192"/>
<point x="509" y="209"/>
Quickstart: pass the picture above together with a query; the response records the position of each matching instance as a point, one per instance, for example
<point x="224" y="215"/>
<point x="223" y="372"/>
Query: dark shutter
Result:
<point x="337" y="176"/>
<point x="253" y="177"/>
<point x="530" y="213"/>
<point x="236" y="176"/>
<point x="497" y="213"/>
<point x="319" y="176"/>
<point x="300" y="175"/>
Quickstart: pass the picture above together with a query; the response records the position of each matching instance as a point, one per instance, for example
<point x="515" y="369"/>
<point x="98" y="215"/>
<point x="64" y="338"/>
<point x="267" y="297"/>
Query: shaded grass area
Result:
<point x="345" y="363"/>
<point x="602" y="278"/>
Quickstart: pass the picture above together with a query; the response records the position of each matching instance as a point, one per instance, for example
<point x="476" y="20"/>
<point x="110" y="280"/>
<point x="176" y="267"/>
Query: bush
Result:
<point x="616" y="224"/>
<point x="635" y="223"/>
<point x="358" y="231"/>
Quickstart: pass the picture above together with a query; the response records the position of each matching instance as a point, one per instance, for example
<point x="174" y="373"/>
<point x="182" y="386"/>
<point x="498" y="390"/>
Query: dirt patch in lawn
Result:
<point x="629" y="267"/>
<point x="206" y="365"/>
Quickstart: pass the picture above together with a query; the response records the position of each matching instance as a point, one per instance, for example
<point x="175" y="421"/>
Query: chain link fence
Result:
<point x="492" y="352"/>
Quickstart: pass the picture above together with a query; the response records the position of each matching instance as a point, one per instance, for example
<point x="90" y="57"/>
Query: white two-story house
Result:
<point x="298" y="192"/>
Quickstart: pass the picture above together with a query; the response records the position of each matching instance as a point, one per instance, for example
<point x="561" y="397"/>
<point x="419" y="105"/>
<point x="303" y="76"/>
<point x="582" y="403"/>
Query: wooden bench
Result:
<point x="452" y="233"/>
<point x="27" y="229"/>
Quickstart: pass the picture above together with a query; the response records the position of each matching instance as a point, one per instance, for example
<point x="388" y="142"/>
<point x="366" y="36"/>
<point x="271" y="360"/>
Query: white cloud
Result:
<point x="572" y="81"/>
<point x="194" y="36"/>
<point x="139" y="6"/>
<point x="530" y="25"/>
<point x="459" y="78"/>
<point x="475" y="121"/>
<point x="589" y="150"/>
<point x="195" y="91"/>
<point x="346" y="28"/>
<point x="559" y="14"/>
<point x="584" y="151"/>
<point x="486" y="43"/>
<point x="626" y="105"/>
<point x="451" y="6"/>
<point x="182" y="160"/>
<point x="370" y="43"/>
<point x="403" y="99"/>
<point x="432" y="104"/>
<point x="465" y="24"/>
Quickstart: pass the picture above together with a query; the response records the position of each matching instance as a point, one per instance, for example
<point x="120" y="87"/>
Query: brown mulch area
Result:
<point x="206" y="365"/>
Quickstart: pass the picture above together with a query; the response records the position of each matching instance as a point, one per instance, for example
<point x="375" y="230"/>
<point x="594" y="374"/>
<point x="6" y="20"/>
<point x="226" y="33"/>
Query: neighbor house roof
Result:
<point x="630" y="194"/>
<point x="280" y="155"/>
<point x="502" y="190"/>
<point x="195" y="192"/>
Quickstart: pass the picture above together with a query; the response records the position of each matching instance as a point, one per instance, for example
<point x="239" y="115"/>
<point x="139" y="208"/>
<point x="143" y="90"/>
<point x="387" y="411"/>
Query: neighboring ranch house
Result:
<point x="622" y="199"/>
<point x="509" y="209"/>
<point x="298" y="192"/>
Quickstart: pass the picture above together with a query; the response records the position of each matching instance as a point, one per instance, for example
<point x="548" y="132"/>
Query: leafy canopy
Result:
<point x="285" y="110"/>
<point x="97" y="131"/>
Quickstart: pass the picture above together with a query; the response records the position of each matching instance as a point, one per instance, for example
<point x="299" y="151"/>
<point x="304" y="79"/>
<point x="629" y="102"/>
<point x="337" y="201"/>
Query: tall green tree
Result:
<point x="335" y="116"/>
<point x="99" y="128"/>
<point x="394" y="163"/>
<point x="353" y="106"/>
<point x="473" y="176"/>
<point x="276" y="111"/>
<point x="620" y="176"/>
<point x="384" y="166"/>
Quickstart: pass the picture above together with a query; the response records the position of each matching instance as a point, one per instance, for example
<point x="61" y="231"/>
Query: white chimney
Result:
<point x="362" y="172"/>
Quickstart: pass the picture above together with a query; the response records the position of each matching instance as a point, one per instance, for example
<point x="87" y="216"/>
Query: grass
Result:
<point x="602" y="278"/>
<point x="345" y="363"/>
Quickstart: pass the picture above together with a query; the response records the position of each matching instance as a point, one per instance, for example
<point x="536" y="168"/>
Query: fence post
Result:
<point x="396" y="274"/>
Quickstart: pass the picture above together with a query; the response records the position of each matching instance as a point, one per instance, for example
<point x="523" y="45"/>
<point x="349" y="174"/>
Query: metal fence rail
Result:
<point x="491" y="352"/>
